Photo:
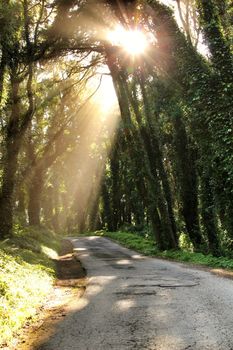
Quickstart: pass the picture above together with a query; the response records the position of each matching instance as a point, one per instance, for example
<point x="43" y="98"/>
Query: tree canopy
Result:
<point x="98" y="132"/>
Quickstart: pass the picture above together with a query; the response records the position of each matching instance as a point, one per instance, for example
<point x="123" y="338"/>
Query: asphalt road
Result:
<point x="135" y="302"/>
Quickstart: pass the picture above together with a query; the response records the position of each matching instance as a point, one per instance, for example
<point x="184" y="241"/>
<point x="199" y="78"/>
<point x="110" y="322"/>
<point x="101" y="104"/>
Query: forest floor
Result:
<point x="69" y="287"/>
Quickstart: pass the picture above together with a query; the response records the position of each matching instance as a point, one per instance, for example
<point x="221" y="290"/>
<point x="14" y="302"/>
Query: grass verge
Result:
<point x="27" y="274"/>
<point x="147" y="246"/>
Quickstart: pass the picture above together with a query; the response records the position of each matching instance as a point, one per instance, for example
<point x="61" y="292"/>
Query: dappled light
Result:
<point x="123" y="262"/>
<point x="140" y="308"/>
<point x="124" y="305"/>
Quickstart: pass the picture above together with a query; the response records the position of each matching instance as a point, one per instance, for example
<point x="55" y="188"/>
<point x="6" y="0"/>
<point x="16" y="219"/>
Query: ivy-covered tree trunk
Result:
<point x="3" y="63"/>
<point x="157" y="208"/>
<point x="107" y="212"/>
<point x="10" y="165"/>
<point x="218" y="45"/>
<point x="7" y="190"/>
<point x="170" y="239"/>
<point x="115" y="188"/>
<point x="208" y="214"/>
<point x="125" y="114"/>
<point x="158" y="158"/>
<point x="187" y="177"/>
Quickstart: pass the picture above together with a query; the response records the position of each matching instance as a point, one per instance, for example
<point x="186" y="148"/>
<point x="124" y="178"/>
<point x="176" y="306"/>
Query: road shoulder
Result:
<point x="69" y="287"/>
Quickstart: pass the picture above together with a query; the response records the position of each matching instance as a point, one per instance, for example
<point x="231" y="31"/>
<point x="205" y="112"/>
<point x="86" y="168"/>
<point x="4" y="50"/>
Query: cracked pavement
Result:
<point x="136" y="302"/>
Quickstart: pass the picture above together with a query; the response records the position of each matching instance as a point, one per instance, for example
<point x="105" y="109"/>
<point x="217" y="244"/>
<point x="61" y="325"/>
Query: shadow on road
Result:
<point x="133" y="302"/>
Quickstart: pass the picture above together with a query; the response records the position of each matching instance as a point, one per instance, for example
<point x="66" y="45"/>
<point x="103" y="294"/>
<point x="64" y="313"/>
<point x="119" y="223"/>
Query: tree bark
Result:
<point x="115" y="191"/>
<point x="158" y="158"/>
<point x="12" y="147"/>
<point x="209" y="216"/>
<point x="35" y="193"/>
<point x="187" y="179"/>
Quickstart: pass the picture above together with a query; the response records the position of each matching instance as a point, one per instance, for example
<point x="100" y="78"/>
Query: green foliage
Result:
<point x="132" y="241"/>
<point x="198" y="258"/>
<point x="185" y="243"/>
<point x="27" y="275"/>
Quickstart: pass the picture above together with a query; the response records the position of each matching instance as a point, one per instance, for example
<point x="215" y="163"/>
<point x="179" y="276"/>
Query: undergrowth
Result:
<point x="26" y="277"/>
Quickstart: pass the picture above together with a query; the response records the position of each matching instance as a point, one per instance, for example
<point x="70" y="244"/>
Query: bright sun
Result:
<point x="132" y="41"/>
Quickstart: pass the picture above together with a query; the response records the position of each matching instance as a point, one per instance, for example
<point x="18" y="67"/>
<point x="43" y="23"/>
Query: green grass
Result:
<point x="26" y="277"/>
<point x="147" y="246"/>
<point x="133" y="241"/>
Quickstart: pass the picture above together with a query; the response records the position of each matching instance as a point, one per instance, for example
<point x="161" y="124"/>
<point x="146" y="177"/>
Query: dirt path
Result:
<point x="69" y="287"/>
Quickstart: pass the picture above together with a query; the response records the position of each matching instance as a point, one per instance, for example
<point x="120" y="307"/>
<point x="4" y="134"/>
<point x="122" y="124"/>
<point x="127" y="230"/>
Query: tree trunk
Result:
<point x="56" y="201"/>
<point x="21" y="205"/>
<point x="94" y="223"/>
<point x="209" y="216"/>
<point x="170" y="240"/>
<point x="2" y="73"/>
<point x="213" y="32"/>
<point x="34" y="202"/>
<point x="187" y="179"/>
<point x="12" y="147"/>
<point x="158" y="158"/>
<point x="48" y="206"/>
<point x="107" y="212"/>
<point x="153" y="185"/>
<point x="115" y="191"/>
<point x="7" y="190"/>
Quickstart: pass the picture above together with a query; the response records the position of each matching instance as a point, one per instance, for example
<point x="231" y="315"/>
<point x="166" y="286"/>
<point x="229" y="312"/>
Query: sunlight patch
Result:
<point x="124" y="305"/>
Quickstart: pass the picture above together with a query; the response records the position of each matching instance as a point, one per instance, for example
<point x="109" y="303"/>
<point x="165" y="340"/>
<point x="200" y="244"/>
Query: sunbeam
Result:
<point x="97" y="137"/>
<point x="105" y="96"/>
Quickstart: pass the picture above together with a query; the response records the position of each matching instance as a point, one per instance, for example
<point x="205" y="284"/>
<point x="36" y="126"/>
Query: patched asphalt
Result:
<point x="135" y="302"/>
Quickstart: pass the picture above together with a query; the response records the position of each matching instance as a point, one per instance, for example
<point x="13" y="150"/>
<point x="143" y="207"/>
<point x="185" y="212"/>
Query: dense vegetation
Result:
<point x="26" y="279"/>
